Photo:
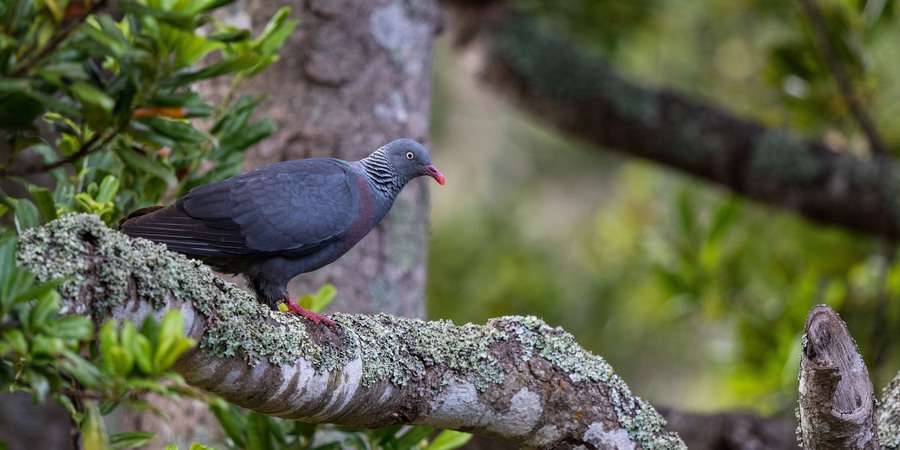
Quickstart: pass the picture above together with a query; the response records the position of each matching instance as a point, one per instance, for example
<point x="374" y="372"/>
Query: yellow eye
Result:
<point x="409" y="155"/>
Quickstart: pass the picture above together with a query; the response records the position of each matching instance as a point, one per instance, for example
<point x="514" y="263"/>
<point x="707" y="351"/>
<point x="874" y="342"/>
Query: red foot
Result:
<point x="313" y="317"/>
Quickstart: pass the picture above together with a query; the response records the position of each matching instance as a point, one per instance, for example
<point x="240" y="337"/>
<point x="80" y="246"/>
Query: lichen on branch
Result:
<point x="515" y="378"/>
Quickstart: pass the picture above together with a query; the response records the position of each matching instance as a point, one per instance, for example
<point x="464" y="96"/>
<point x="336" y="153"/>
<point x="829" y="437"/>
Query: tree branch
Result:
<point x="514" y="378"/>
<point x="841" y="77"/>
<point x="837" y="403"/>
<point x="581" y="95"/>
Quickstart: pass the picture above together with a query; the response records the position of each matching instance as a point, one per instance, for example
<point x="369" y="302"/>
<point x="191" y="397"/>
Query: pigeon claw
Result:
<point x="313" y="317"/>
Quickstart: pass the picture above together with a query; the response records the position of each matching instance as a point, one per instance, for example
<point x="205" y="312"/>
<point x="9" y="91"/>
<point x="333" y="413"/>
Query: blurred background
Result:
<point x="695" y="296"/>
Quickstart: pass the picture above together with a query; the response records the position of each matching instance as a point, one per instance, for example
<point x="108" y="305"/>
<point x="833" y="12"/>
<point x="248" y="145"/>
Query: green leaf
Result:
<point x="323" y="297"/>
<point x="16" y="341"/>
<point x="122" y="361"/>
<point x="144" y="164"/>
<point x="448" y="440"/>
<point x="139" y="347"/>
<point x="276" y="32"/>
<point x="196" y="446"/>
<point x="7" y="265"/>
<point x="409" y="439"/>
<point x="55" y="10"/>
<point x="93" y="431"/>
<point x="131" y="439"/>
<point x="230" y="35"/>
<point x="40" y="385"/>
<point x="231" y="421"/>
<point x="258" y="432"/>
<point x="38" y="291"/>
<point x="57" y="71"/>
<point x="226" y="66"/>
<point x="108" y="339"/>
<point x="26" y="215"/>
<point x="88" y="94"/>
<point x="19" y="110"/>
<point x="108" y="189"/>
<point x="72" y="327"/>
<point x="172" y="342"/>
<point x="46" y="305"/>
<point x="177" y="130"/>
<point x="43" y="199"/>
<point x="247" y="136"/>
<point x="150" y="329"/>
<point x="86" y="373"/>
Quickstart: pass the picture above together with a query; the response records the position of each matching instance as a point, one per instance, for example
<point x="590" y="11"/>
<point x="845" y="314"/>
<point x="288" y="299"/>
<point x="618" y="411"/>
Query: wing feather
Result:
<point x="286" y="208"/>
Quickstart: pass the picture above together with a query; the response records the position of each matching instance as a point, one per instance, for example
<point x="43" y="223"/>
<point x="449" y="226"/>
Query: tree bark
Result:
<point x="837" y="403"/>
<point x="580" y="94"/>
<point x="514" y="378"/>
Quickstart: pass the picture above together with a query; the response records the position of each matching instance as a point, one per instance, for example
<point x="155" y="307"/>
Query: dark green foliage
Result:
<point x="104" y="107"/>
<point x="247" y="430"/>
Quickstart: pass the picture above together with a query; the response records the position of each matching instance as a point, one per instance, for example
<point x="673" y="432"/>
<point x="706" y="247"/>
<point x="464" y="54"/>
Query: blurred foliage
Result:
<point x="696" y="297"/>
<point x="247" y="430"/>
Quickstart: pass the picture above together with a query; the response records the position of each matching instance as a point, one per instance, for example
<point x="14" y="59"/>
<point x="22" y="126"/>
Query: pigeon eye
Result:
<point x="409" y="155"/>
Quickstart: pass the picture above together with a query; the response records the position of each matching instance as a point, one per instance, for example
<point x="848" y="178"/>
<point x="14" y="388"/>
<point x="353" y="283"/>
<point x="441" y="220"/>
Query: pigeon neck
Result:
<point x="381" y="175"/>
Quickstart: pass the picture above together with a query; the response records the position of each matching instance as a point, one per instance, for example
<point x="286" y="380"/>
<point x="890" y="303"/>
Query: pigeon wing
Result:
<point x="287" y="208"/>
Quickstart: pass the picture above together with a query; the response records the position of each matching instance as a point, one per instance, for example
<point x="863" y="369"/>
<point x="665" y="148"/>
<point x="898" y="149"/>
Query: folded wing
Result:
<point x="287" y="208"/>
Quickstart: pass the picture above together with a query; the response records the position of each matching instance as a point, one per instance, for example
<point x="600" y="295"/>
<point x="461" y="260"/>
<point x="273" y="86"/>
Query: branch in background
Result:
<point x="837" y="403"/>
<point x="841" y="77"/>
<point x="515" y="378"/>
<point x="581" y="95"/>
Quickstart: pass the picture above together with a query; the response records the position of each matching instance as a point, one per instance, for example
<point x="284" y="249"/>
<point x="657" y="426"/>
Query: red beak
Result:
<point x="433" y="172"/>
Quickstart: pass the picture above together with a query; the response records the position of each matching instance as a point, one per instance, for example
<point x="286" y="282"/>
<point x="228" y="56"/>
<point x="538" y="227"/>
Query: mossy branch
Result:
<point x="577" y="92"/>
<point x="514" y="378"/>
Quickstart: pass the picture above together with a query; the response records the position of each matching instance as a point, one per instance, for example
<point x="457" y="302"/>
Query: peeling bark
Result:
<point x="514" y="378"/>
<point x="580" y="94"/>
<point x="837" y="403"/>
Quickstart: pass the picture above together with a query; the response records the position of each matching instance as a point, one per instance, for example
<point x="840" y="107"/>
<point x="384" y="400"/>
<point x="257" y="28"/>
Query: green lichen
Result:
<point x="783" y="156"/>
<point x="644" y="425"/>
<point x="98" y="263"/>
<point x="399" y="350"/>
<point x="889" y="416"/>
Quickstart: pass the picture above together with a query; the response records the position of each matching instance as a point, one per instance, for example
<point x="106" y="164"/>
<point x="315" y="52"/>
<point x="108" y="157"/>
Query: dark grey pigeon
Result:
<point x="276" y="222"/>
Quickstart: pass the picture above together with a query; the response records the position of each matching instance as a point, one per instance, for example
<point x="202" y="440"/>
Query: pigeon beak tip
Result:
<point x="433" y="172"/>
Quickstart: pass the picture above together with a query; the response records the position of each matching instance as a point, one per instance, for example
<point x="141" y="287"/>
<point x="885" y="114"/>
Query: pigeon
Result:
<point x="278" y="221"/>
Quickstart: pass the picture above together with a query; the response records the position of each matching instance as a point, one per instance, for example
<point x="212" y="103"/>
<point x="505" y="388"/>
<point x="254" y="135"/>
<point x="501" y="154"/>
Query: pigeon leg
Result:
<point x="313" y="317"/>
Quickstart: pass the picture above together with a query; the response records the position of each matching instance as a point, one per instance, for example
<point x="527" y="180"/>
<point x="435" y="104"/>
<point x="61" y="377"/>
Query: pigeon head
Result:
<point x="410" y="159"/>
<point x="394" y="164"/>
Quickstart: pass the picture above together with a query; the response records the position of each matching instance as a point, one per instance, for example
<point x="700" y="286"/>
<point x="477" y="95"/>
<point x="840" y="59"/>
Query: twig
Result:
<point x="86" y="149"/>
<point x="55" y="41"/>
<point x="842" y="77"/>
